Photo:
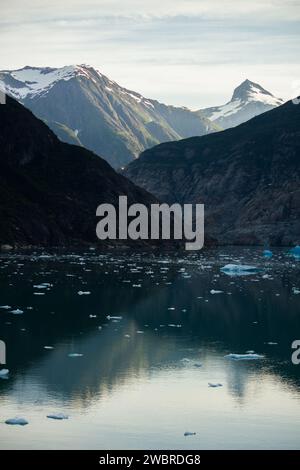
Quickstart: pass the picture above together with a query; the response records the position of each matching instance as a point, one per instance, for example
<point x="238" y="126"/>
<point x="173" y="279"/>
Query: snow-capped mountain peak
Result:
<point x="32" y="81"/>
<point x="248" y="100"/>
<point x="250" y="91"/>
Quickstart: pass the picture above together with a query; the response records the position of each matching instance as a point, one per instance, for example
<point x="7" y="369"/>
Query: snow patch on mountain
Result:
<point x="32" y="81"/>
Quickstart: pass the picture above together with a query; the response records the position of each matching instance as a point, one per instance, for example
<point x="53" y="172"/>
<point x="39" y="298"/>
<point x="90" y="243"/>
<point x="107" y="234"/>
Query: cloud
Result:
<point x="189" y="52"/>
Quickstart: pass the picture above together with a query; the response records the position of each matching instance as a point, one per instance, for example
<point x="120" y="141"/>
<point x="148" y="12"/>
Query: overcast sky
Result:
<point x="182" y="52"/>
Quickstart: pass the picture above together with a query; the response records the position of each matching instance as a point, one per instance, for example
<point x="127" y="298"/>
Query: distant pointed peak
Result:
<point x="249" y="91"/>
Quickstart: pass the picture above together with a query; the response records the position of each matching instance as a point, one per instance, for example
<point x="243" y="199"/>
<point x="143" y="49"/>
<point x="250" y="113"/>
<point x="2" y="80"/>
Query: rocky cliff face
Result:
<point x="49" y="190"/>
<point x="248" y="178"/>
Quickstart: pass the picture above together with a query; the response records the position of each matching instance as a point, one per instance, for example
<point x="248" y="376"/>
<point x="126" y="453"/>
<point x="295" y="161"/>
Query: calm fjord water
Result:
<point x="141" y="380"/>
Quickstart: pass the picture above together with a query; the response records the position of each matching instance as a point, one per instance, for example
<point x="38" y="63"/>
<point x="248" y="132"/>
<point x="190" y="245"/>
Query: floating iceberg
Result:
<point x="17" y="421"/>
<point x="5" y="307"/>
<point x="75" y="355"/>
<point x="110" y="317"/>
<point x="4" y="372"/>
<point x="214" y="385"/>
<point x="239" y="269"/>
<point x="296" y="290"/>
<point x="216" y="291"/>
<point x="295" y="251"/>
<point x="83" y="292"/>
<point x="58" y="416"/>
<point x="187" y="433"/>
<point x="244" y="357"/>
<point x="267" y="253"/>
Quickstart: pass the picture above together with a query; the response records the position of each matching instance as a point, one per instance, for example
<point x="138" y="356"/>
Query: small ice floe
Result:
<point x="5" y="307"/>
<point x="188" y="433"/>
<point x="92" y="316"/>
<point x="171" y="308"/>
<point x="127" y="336"/>
<point x="214" y="385"/>
<point x="267" y="276"/>
<point x="4" y="373"/>
<point x="267" y="253"/>
<point x="17" y="311"/>
<point x="58" y="416"/>
<point x="216" y="291"/>
<point x="244" y="357"/>
<point x="296" y="290"/>
<point x="239" y="269"/>
<point x="136" y="285"/>
<point x="295" y="251"/>
<point x="16" y="421"/>
<point x="39" y="293"/>
<point x="185" y="360"/>
<point x="172" y="325"/>
<point x="271" y="343"/>
<point x="48" y="347"/>
<point x="81" y="292"/>
<point x="140" y="332"/>
<point x="111" y="317"/>
<point x="75" y="355"/>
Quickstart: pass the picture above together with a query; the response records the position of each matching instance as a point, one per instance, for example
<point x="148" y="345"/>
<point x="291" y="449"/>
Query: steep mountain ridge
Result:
<point x="50" y="190"/>
<point x="79" y="102"/>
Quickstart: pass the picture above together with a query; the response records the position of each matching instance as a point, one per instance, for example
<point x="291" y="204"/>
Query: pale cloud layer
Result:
<point x="187" y="52"/>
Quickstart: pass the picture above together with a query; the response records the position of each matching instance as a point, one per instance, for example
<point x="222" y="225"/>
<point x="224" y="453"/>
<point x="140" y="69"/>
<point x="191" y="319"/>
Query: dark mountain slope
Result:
<point x="248" y="177"/>
<point x="49" y="190"/>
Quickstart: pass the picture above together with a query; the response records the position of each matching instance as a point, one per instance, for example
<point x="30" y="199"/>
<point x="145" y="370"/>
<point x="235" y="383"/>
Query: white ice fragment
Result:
<point x="5" y="307"/>
<point x="296" y="290"/>
<point x="83" y="292"/>
<point x="17" y="421"/>
<point x="244" y="357"/>
<point x="75" y="355"/>
<point x="48" y="347"/>
<point x="17" y="311"/>
<point x="111" y="317"/>
<point x="4" y="372"/>
<point x="239" y="269"/>
<point x="216" y="291"/>
<point x="59" y="416"/>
